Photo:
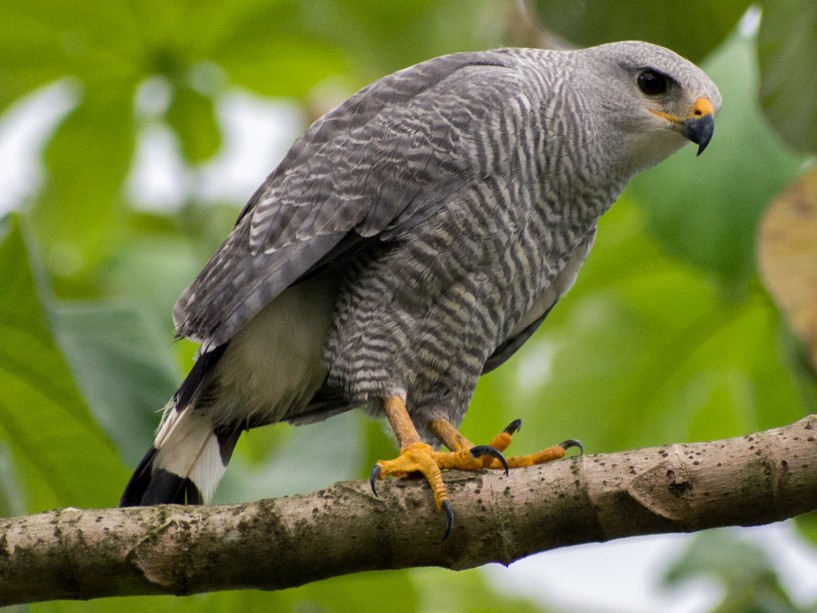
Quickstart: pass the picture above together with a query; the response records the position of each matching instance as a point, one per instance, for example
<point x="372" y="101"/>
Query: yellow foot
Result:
<point x="418" y="457"/>
<point x="502" y="440"/>
<point x="421" y="458"/>
<point x="491" y="455"/>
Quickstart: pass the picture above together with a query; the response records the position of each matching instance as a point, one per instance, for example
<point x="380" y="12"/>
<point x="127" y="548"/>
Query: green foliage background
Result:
<point x="667" y="337"/>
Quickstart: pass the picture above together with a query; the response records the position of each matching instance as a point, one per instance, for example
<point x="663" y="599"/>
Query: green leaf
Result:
<point x="693" y="29"/>
<point x="373" y="35"/>
<point x="123" y="366"/>
<point x="29" y="55"/>
<point x="362" y="593"/>
<point x="379" y="30"/>
<point x="194" y="31"/>
<point x="192" y="115"/>
<point x="62" y="455"/>
<point x="378" y="444"/>
<point x="706" y="210"/>
<point x="93" y="41"/>
<point x="152" y="270"/>
<point x="78" y="217"/>
<point x="466" y="591"/>
<point x="269" y="67"/>
<point x="806" y="525"/>
<point x="788" y="70"/>
<point x="283" y="460"/>
<point x="265" y="46"/>
<point x="287" y="48"/>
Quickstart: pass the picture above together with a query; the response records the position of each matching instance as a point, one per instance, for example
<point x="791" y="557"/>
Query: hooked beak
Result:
<point x="701" y="125"/>
<point x="698" y="127"/>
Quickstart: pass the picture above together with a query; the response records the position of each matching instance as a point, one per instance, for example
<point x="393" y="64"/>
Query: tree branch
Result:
<point x="280" y="543"/>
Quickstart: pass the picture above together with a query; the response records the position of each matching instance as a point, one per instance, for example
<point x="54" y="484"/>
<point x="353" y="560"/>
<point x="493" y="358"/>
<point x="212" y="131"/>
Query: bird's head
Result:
<point x="655" y="101"/>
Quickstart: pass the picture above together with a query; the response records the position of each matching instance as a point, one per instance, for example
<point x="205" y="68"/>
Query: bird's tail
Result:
<point x="185" y="463"/>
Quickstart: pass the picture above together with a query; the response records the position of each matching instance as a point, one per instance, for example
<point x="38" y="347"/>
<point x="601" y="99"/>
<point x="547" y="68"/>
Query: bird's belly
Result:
<point x="274" y="364"/>
<point x="406" y="329"/>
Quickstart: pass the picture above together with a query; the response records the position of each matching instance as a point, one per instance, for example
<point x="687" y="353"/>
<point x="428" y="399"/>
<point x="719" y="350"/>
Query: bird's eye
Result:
<point x="652" y="82"/>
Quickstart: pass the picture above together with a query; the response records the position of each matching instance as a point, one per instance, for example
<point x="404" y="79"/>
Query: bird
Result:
<point x="411" y="240"/>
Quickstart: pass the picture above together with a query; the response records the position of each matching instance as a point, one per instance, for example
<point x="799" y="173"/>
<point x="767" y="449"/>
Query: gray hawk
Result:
<point x="412" y="239"/>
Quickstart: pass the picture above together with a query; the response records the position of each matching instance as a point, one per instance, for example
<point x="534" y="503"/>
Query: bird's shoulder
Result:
<point x="402" y="133"/>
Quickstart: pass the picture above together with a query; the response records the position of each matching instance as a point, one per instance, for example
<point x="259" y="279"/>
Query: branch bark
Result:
<point x="286" y="542"/>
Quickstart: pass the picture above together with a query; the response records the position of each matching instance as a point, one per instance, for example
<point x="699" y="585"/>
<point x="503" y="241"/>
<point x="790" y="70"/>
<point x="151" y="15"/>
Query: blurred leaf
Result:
<point x="153" y="270"/>
<point x="285" y="460"/>
<point x="199" y="30"/>
<point x="788" y="70"/>
<point x="693" y="29"/>
<point x="364" y="593"/>
<point x="269" y="67"/>
<point x="435" y="28"/>
<point x="426" y="589"/>
<point x="378" y="444"/>
<point x="202" y="603"/>
<point x="40" y="42"/>
<point x="806" y="525"/>
<point x="29" y="55"/>
<point x="361" y="593"/>
<point x="56" y="444"/>
<point x="192" y="116"/>
<point x="354" y="40"/>
<point x="159" y="256"/>
<point x="787" y="256"/>
<point x="706" y="210"/>
<point x="124" y="368"/>
<point x="466" y="591"/>
<point x="78" y="217"/>
<point x="750" y="585"/>
<point x="269" y="47"/>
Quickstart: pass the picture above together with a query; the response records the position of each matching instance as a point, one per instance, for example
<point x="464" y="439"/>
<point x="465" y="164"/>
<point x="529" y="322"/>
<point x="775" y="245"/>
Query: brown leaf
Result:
<point x="787" y="257"/>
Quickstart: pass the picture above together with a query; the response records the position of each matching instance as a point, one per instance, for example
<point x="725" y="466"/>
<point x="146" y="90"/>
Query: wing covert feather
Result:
<point x="376" y="165"/>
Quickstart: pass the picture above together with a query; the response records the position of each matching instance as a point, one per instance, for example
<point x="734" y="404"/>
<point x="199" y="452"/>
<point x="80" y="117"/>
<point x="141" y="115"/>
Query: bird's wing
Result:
<point x="372" y="168"/>
<point x="543" y="305"/>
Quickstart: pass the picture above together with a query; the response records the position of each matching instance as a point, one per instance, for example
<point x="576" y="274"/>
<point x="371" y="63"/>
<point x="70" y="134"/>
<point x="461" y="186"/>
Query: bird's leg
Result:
<point x="415" y="456"/>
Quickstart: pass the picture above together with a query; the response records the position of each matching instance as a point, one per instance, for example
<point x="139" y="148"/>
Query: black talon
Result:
<point x="449" y="518"/>
<point x="373" y="479"/>
<point x="513" y="427"/>
<point x="572" y="443"/>
<point x="481" y="450"/>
